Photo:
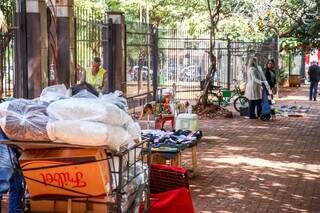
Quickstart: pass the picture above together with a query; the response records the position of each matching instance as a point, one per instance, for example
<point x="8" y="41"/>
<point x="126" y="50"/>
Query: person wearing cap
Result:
<point x="96" y="76"/>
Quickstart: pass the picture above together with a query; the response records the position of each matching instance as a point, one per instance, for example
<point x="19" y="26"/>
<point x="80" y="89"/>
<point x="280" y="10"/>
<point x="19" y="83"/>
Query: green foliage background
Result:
<point x="297" y="22"/>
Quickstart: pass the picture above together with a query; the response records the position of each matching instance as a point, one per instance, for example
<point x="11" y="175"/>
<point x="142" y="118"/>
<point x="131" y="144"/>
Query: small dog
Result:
<point x="181" y="107"/>
<point x="148" y="109"/>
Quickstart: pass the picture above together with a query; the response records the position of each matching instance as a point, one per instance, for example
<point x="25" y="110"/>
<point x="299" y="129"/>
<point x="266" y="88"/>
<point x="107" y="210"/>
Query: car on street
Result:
<point x="134" y="71"/>
<point x="190" y="73"/>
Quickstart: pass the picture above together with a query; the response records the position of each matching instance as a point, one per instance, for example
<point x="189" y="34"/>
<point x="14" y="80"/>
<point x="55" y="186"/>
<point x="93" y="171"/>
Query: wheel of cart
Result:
<point x="85" y="179"/>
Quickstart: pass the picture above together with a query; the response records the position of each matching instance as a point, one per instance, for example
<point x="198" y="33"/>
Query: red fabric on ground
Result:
<point x="178" y="200"/>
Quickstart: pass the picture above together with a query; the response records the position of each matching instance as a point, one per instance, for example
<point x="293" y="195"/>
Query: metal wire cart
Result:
<point x="68" y="178"/>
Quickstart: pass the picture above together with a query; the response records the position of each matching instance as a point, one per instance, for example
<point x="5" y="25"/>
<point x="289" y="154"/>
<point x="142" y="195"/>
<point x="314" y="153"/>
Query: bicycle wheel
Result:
<point x="213" y="98"/>
<point x="240" y="101"/>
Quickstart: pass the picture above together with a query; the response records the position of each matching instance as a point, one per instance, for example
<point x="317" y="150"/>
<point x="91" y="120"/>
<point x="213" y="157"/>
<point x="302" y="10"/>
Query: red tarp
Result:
<point x="169" y="168"/>
<point x="178" y="200"/>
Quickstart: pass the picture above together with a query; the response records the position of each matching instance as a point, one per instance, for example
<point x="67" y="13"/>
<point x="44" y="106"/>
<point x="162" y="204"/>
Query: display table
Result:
<point x="172" y="156"/>
<point x="169" y="154"/>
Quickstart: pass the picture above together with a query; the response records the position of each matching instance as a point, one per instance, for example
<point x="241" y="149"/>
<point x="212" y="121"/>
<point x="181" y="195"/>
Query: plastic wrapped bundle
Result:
<point x="88" y="133"/>
<point x="4" y="109"/>
<point x="115" y="98"/>
<point x="54" y="93"/>
<point x="134" y="130"/>
<point x="132" y="192"/>
<point x="25" y="120"/>
<point x="77" y="109"/>
<point x="87" y="109"/>
<point x="85" y="94"/>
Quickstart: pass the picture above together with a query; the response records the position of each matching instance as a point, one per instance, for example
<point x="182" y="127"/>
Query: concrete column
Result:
<point x="118" y="50"/>
<point x="21" y="69"/>
<point x="36" y="50"/>
<point x="66" y="41"/>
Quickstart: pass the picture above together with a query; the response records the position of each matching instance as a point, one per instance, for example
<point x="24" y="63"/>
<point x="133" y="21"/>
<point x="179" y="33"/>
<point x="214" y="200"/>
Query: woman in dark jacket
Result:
<point x="270" y="74"/>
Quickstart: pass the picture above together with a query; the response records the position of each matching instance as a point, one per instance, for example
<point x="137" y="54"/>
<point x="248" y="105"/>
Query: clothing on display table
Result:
<point x="179" y="139"/>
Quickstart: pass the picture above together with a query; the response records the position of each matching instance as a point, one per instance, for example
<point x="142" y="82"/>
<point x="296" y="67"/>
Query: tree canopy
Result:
<point x="296" y="22"/>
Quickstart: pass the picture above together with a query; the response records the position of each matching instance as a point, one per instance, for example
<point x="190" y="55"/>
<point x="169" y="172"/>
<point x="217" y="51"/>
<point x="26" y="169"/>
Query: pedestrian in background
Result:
<point x="314" y="77"/>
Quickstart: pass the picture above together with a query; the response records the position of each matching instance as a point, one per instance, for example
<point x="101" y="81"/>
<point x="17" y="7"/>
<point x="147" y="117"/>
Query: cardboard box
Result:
<point x="96" y="205"/>
<point x="66" y="173"/>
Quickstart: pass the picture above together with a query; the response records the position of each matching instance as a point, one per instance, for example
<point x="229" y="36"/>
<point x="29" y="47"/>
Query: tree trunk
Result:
<point x="214" y="19"/>
<point x="141" y="60"/>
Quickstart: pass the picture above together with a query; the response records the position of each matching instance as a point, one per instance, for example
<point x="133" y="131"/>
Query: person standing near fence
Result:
<point x="253" y="89"/>
<point x="270" y="75"/>
<point x="97" y="76"/>
<point x="314" y="77"/>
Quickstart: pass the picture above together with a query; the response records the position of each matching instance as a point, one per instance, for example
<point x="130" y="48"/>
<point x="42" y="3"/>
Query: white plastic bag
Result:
<point x="4" y="108"/>
<point x="134" y="130"/>
<point x="77" y="109"/>
<point x="87" y="133"/>
<point x="167" y="91"/>
<point x="84" y="94"/>
<point x="115" y="98"/>
<point x="54" y="93"/>
<point x="87" y="109"/>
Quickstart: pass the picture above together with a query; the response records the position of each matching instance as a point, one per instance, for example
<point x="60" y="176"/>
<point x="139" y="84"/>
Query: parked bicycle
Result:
<point x="222" y="97"/>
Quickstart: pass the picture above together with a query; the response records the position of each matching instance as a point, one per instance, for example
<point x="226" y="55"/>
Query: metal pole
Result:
<point x="277" y="65"/>
<point x="229" y="65"/>
<point x="290" y="67"/>
<point x="155" y="60"/>
<point x="110" y="57"/>
<point x="302" y="68"/>
<point x="23" y="69"/>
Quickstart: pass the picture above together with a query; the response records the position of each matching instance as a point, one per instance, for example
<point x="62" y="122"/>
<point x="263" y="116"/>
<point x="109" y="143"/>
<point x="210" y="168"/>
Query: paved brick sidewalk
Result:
<point x="254" y="166"/>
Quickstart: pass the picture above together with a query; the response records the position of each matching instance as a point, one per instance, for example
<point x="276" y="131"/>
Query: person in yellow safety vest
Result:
<point x="96" y="76"/>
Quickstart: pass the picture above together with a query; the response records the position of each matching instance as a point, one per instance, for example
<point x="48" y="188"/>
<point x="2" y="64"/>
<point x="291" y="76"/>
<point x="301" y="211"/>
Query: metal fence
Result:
<point x="7" y="50"/>
<point x="139" y="63"/>
<point x="184" y="60"/>
<point x="138" y="59"/>
<point x="154" y="57"/>
<point x="91" y="30"/>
